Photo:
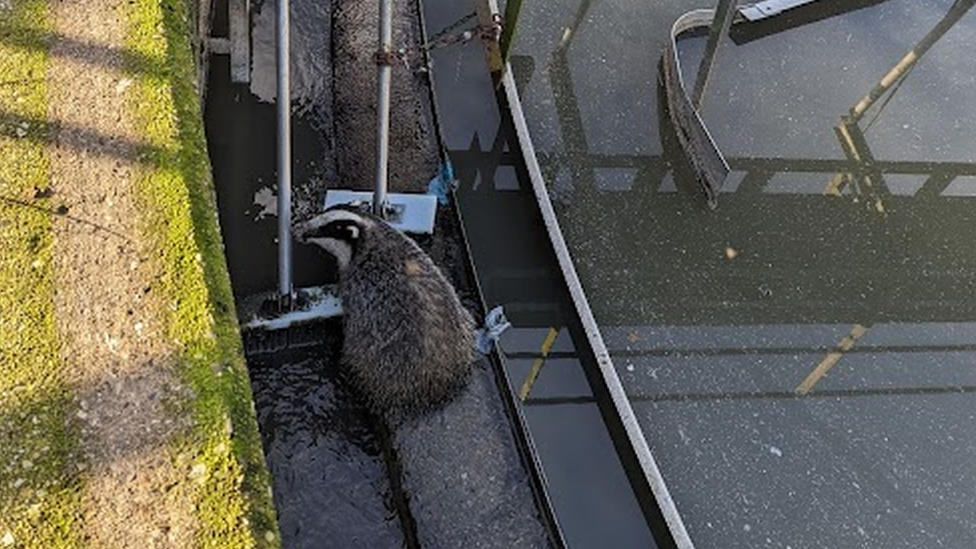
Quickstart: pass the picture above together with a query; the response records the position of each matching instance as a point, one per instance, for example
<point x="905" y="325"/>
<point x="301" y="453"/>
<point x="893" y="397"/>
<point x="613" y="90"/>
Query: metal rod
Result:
<point x="719" y="28"/>
<point x="569" y="32"/>
<point x="384" y="77"/>
<point x="908" y="61"/>
<point x="283" y="102"/>
<point x="512" y="10"/>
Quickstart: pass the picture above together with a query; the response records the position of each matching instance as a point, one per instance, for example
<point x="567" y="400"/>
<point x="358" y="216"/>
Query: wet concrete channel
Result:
<point x="599" y="495"/>
<point x="325" y="452"/>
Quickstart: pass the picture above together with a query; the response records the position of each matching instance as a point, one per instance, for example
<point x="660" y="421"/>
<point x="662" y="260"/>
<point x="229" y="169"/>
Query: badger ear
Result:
<point x="352" y="232"/>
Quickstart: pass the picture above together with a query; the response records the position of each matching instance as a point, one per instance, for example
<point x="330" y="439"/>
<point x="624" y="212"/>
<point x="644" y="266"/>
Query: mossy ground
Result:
<point x="234" y="497"/>
<point x="41" y="480"/>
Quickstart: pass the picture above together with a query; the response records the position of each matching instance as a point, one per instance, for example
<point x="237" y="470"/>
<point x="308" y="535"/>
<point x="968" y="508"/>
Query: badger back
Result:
<point x="409" y="341"/>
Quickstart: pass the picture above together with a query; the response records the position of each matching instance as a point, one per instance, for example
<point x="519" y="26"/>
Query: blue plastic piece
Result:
<point x="442" y="183"/>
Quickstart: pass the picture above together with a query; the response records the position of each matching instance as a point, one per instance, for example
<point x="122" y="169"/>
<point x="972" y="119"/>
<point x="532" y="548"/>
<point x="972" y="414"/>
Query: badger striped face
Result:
<point x="338" y="231"/>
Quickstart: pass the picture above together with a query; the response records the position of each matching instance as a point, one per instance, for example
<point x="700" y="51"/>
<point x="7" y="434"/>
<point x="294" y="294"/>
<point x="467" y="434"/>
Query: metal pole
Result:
<point x="384" y="76"/>
<point x="719" y="28"/>
<point x="951" y="18"/>
<point x="512" y="10"/>
<point x="284" y="155"/>
<point x="569" y="33"/>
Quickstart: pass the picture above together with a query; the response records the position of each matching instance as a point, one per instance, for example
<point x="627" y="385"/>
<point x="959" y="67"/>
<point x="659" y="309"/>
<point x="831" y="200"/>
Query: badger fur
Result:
<point x="408" y="342"/>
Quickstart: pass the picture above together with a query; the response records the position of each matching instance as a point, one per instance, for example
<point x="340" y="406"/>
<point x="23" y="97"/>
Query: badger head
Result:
<point x="339" y="230"/>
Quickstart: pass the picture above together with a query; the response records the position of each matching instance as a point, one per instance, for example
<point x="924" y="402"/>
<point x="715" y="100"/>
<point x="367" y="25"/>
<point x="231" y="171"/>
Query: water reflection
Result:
<point x="803" y="365"/>
<point x="865" y="178"/>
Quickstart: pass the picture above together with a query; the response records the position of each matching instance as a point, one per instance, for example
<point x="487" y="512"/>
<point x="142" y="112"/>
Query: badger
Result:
<point x="408" y="342"/>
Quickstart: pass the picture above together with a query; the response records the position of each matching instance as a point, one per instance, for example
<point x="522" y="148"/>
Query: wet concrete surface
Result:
<point x="414" y="156"/>
<point x="596" y="495"/>
<point x="728" y="328"/>
<point x="478" y="498"/>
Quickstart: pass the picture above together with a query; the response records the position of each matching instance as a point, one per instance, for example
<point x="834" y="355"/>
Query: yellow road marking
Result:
<point x="537" y="364"/>
<point x="831" y="359"/>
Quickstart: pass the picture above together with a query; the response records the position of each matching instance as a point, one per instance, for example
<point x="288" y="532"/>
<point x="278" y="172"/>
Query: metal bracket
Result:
<point x="385" y="58"/>
<point x="769" y="8"/>
<point x="406" y="212"/>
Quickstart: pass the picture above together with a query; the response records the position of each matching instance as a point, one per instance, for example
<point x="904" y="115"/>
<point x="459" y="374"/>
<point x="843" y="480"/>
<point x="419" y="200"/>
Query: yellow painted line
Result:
<point x="836" y="184"/>
<point x="831" y="359"/>
<point x="537" y="364"/>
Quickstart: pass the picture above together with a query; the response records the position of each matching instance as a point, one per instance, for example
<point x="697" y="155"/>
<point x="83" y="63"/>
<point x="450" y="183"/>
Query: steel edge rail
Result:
<point x="620" y="400"/>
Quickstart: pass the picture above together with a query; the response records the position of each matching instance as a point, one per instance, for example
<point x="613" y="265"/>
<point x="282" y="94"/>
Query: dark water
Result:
<point x="330" y="478"/>
<point x="331" y="463"/>
<point x="802" y="363"/>
<point x="241" y="141"/>
<point x="241" y="137"/>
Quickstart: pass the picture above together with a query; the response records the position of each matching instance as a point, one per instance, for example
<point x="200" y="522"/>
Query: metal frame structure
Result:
<point x="866" y="177"/>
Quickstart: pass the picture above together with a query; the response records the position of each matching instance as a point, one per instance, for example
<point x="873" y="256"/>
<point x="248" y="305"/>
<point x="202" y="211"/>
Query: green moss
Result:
<point x="39" y="486"/>
<point x="233" y="494"/>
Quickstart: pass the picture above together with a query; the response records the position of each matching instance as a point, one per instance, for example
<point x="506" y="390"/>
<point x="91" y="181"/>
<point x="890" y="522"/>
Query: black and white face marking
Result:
<point x="346" y="230"/>
<point x="337" y="231"/>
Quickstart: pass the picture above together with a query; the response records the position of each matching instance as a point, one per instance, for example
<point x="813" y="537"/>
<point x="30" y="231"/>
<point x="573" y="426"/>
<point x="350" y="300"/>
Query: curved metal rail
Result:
<point x="703" y="154"/>
<point x="612" y="381"/>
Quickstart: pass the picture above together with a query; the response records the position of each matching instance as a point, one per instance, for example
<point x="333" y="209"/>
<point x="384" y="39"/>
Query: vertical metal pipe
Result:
<point x="721" y="23"/>
<point x="282" y="42"/>
<point x="956" y="11"/>
<point x="384" y="78"/>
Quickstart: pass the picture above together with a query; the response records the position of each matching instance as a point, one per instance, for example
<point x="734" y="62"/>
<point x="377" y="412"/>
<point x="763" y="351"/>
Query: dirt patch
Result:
<point x="109" y="314"/>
